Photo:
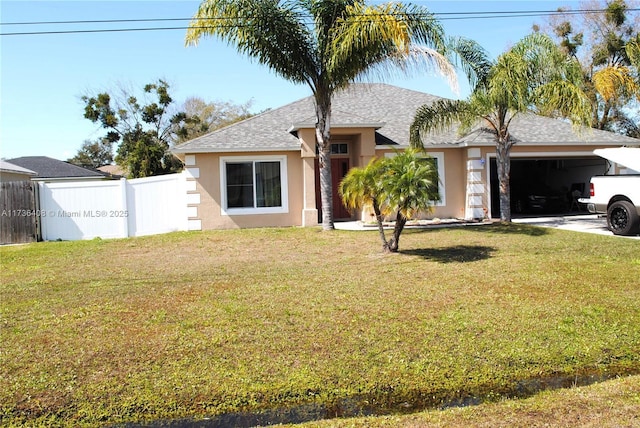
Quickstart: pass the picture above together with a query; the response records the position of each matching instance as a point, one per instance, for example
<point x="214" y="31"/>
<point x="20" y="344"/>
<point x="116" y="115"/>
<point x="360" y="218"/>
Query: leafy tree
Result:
<point x="94" y="154"/>
<point x="604" y="44"/>
<point x="325" y="44"/>
<point x="145" y="132"/>
<point x="404" y="185"/>
<point x="533" y="76"/>
<point x="205" y="117"/>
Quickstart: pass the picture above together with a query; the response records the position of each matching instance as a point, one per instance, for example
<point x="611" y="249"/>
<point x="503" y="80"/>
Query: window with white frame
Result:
<point x="438" y="157"/>
<point x="253" y="185"/>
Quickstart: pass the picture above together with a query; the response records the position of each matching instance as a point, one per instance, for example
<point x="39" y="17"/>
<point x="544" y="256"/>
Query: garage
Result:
<point x="547" y="185"/>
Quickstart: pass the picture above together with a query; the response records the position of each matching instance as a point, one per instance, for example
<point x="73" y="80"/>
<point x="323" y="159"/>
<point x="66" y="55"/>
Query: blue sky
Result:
<point x="42" y="77"/>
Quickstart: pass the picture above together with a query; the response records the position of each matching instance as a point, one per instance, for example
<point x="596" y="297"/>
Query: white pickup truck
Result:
<point x="617" y="196"/>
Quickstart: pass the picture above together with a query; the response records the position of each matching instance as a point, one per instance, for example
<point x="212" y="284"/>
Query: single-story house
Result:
<point x="50" y="170"/>
<point x="12" y="172"/>
<point x="263" y="171"/>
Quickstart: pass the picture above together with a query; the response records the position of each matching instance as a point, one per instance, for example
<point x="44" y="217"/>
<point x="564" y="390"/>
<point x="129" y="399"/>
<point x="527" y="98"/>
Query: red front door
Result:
<point x="339" y="168"/>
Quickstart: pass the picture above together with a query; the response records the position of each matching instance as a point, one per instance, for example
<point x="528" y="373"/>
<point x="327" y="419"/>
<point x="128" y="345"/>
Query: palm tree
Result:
<point x="410" y="185"/>
<point x="325" y="44"/>
<point x="533" y="76"/>
<point x="360" y="188"/>
<point x="406" y="184"/>
<point x="633" y="51"/>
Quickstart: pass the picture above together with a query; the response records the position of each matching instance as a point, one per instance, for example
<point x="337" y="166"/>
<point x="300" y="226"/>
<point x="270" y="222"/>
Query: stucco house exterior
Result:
<point x="263" y="171"/>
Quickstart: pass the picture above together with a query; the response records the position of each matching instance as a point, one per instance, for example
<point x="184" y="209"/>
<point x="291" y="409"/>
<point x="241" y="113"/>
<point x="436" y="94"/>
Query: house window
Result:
<point x="255" y="185"/>
<point x="434" y="164"/>
<point x="339" y="149"/>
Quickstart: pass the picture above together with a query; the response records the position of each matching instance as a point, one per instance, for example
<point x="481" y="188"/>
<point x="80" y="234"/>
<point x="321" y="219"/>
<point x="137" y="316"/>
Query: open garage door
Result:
<point x="546" y="185"/>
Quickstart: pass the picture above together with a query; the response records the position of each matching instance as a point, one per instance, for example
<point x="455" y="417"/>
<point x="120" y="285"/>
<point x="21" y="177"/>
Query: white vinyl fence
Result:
<point x="113" y="209"/>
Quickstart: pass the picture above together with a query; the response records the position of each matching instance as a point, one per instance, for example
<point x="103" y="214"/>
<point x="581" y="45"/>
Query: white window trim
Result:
<point x="252" y="211"/>
<point x="441" y="184"/>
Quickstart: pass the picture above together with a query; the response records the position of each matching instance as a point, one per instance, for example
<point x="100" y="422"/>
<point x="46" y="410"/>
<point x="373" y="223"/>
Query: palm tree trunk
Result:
<point x="394" y="242"/>
<point x="379" y="218"/>
<point x="602" y="123"/>
<point x="323" y="138"/>
<point x="503" y="162"/>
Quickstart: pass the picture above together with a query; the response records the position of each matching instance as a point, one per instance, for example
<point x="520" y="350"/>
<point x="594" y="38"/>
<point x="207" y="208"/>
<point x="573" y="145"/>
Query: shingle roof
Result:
<point x="531" y="129"/>
<point x="115" y="171"/>
<point x="46" y="167"/>
<point x="390" y="109"/>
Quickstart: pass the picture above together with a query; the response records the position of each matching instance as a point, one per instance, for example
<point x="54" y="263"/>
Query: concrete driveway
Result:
<point x="590" y="223"/>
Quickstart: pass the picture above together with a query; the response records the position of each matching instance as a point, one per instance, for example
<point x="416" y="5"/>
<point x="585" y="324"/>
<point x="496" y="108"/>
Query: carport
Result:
<point x="545" y="184"/>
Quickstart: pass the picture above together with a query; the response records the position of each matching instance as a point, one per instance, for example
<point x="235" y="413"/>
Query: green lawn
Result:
<point x="193" y="325"/>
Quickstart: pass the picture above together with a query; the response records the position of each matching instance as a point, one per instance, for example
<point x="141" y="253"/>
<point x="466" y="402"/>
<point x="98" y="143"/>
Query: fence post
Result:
<point x="124" y="225"/>
<point x="184" y="203"/>
<point x="36" y="195"/>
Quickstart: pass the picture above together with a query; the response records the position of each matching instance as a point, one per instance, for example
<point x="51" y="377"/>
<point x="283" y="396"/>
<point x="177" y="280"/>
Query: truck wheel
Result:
<point x="622" y="218"/>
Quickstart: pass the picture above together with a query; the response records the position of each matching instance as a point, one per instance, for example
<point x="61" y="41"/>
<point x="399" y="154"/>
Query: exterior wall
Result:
<point x="465" y="171"/>
<point x="452" y="186"/>
<point x="204" y="194"/>
<point x="14" y="176"/>
<point x="476" y="187"/>
<point x="363" y="144"/>
<point x="308" y="154"/>
<point x="362" y="148"/>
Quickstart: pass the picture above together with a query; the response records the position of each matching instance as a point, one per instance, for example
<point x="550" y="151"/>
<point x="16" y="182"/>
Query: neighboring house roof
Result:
<point x="15" y="169"/>
<point x="389" y="109"/>
<point x="49" y="168"/>
<point x="115" y="171"/>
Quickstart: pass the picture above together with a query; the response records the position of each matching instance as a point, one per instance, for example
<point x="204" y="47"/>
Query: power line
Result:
<point x="97" y="21"/>
<point x="443" y="16"/>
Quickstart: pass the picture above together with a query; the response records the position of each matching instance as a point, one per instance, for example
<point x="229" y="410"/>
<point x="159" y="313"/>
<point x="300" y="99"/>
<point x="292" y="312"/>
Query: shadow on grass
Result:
<point x="457" y="254"/>
<point x="514" y="229"/>
<point x="494" y="227"/>
<point x="389" y="403"/>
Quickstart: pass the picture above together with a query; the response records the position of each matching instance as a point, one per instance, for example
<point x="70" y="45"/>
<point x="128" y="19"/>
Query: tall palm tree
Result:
<point x="405" y="185"/>
<point x="533" y="76"/>
<point x="325" y="44"/>
<point x="633" y="52"/>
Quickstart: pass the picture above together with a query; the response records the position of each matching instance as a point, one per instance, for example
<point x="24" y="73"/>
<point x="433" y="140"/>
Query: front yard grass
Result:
<point x="195" y="325"/>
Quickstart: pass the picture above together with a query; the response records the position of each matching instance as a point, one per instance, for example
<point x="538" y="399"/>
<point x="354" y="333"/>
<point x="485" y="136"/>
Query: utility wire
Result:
<point x="444" y="16"/>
